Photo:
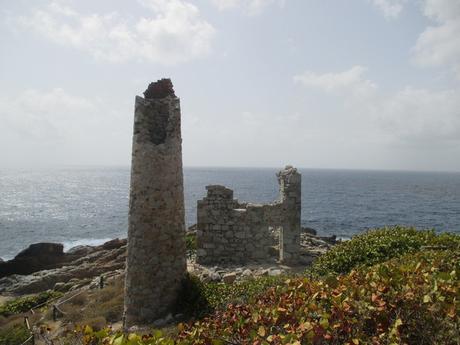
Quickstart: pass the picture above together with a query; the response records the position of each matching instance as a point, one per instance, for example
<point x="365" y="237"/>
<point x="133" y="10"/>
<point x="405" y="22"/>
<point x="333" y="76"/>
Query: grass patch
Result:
<point x="96" y="306"/>
<point x="13" y="330"/>
<point x="13" y="335"/>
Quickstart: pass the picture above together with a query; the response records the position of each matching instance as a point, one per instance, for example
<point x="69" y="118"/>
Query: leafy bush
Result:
<point x="192" y="299"/>
<point x="220" y="295"/>
<point x="397" y="286"/>
<point x="23" y="304"/>
<point x="88" y="336"/>
<point x="377" y="246"/>
<point x="196" y="299"/>
<point x="190" y="242"/>
<point x="410" y="300"/>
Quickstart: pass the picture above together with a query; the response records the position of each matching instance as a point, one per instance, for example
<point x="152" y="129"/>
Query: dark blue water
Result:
<point x="90" y="205"/>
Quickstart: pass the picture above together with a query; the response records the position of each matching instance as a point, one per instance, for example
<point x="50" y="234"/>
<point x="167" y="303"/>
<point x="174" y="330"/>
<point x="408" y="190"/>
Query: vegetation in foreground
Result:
<point x="409" y="300"/>
<point x="389" y="286"/>
<point x="380" y="245"/>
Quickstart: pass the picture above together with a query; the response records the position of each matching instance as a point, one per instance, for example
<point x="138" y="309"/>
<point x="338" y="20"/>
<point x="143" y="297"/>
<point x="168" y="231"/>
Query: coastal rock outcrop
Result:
<point x="86" y="263"/>
<point x="79" y="265"/>
<point x="38" y="256"/>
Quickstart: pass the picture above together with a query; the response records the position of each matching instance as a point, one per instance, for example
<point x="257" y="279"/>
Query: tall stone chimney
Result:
<point x="156" y="262"/>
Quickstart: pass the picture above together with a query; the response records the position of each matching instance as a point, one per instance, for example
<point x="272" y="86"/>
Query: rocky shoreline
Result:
<point x="45" y="266"/>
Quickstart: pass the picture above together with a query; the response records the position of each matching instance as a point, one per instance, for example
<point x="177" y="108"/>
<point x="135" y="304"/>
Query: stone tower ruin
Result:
<point x="156" y="261"/>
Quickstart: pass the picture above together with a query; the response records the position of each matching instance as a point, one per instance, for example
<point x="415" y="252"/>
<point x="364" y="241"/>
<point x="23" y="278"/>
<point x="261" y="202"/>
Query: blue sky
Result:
<point x="370" y="84"/>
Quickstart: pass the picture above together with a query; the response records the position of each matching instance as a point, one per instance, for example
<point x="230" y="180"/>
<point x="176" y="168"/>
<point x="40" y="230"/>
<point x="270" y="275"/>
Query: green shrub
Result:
<point x="192" y="300"/>
<point x="190" y="245"/>
<point x="23" y="304"/>
<point x="88" y="336"/>
<point x="14" y="335"/>
<point x="377" y="246"/>
<point x="408" y="300"/>
<point x="220" y="295"/>
<point x="196" y="299"/>
<point x="190" y="241"/>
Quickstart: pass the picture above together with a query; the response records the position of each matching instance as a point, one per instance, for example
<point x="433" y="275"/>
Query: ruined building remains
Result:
<point x="156" y="262"/>
<point x="233" y="232"/>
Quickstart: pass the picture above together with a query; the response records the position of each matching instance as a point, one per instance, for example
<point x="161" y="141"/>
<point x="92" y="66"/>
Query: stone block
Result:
<point x="229" y="278"/>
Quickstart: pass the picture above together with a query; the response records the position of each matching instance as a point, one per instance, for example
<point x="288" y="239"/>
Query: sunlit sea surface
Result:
<point x="90" y="205"/>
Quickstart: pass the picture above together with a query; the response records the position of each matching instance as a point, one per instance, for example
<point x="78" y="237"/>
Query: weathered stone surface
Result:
<point x="79" y="266"/>
<point x="229" y="278"/>
<point x="275" y="272"/>
<point x="160" y="89"/>
<point x="246" y="273"/>
<point x="63" y="287"/>
<point x="36" y="257"/>
<point x="42" y="250"/>
<point x="290" y="194"/>
<point x="309" y="231"/>
<point x="80" y="250"/>
<point x="229" y="232"/>
<point x="156" y="262"/>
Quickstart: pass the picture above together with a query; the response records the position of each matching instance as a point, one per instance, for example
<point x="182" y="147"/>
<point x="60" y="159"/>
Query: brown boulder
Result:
<point x="97" y="260"/>
<point x="36" y="257"/>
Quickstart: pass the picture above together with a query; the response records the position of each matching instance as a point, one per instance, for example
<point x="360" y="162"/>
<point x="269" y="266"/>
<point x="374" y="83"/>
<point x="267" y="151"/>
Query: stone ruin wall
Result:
<point x="232" y="232"/>
<point x="156" y="259"/>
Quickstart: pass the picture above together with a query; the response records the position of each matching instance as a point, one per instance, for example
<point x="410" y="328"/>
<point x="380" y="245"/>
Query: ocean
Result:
<point x="90" y="205"/>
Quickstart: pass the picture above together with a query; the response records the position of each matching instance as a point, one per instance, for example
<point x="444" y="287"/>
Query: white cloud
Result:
<point x="251" y="7"/>
<point x="351" y="80"/>
<point x="441" y="10"/>
<point x="412" y="116"/>
<point x="422" y="117"/>
<point x="439" y="45"/>
<point x="175" y="33"/>
<point x="226" y="4"/>
<point x="43" y="116"/>
<point x="46" y="127"/>
<point x="391" y="9"/>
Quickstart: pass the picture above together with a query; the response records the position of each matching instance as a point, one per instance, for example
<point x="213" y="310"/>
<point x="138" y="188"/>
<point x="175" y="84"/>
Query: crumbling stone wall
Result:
<point x="290" y="208"/>
<point x="156" y="259"/>
<point x="233" y="232"/>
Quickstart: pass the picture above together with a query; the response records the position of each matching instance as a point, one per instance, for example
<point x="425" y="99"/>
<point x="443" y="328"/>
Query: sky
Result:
<point x="356" y="84"/>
